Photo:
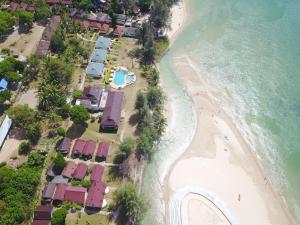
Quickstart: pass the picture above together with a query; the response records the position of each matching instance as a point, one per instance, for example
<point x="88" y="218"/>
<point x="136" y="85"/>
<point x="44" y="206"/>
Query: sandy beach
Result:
<point x="218" y="161"/>
<point x="179" y="20"/>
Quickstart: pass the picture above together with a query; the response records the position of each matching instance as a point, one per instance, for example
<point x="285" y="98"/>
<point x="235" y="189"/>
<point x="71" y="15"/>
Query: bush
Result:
<point x="61" y="131"/>
<point x="59" y="216"/>
<point x="59" y="161"/>
<point x="77" y="94"/>
<point x="24" y="148"/>
<point x="86" y="183"/>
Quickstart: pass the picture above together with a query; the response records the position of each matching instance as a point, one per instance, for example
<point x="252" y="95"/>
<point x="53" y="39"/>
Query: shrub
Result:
<point x="59" y="216"/>
<point x="59" y="161"/>
<point x="24" y="148"/>
<point x="77" y="94"/>
<point x="86" y="183"/>
<point x="61" y="131"/>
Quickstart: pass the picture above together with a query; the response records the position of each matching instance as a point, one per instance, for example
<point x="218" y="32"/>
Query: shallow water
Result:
<point x="249" y="54"/>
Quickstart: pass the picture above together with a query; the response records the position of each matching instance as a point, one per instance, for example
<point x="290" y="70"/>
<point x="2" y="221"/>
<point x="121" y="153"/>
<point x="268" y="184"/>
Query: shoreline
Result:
<point x="206" y="149"/>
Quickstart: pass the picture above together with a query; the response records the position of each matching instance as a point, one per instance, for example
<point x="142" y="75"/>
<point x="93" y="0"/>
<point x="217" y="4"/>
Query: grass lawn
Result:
<point x="84" y="219"/>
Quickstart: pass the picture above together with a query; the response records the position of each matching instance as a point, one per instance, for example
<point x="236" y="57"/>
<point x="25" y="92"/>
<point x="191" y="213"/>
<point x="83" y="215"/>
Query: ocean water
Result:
<point x="249" y="54"/>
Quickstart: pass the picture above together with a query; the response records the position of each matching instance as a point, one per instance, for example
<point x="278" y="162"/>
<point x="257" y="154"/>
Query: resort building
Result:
<point x="118" y="31"/>
<point x="121" y="19"/>
<point x="42" y="215"/>
<point x="97" y="173"/>
<point x="60" y="180"/>
<point x="90" y="99"/>
<point x="69" y="170"/>
<point x="75" y="194"/>
<point x="59" y="194"/>
<point x="78" y="147"/>
<point x="48" y="192"/>
<point x="99" y="55"/>
<point x="95" y="70"/>
<point x="65" y="146"/>
<point x="112" y="112"/>
<point x="4" y="129"/>
<point x="3" y="84"/>
<point x="131" y="32"/>
<point x="102" y="151"/>
<point x="103" y="43"/>
<point x="89" y="149"/>
<point x="80" y="171"/>
<point x="95" y="198"/>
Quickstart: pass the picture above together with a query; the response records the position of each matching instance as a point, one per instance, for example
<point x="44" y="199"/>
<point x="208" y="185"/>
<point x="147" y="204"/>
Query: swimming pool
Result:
<point x="119" y="78"/>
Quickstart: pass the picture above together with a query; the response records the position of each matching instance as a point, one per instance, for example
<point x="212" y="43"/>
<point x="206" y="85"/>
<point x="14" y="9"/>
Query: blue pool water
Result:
<point x="119" y="78"/>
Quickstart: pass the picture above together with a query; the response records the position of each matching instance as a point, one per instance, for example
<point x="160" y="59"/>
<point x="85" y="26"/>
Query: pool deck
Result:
<point x="125" y="82"/>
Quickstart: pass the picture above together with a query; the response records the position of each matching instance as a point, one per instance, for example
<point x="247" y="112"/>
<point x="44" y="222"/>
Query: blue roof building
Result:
<point x="99" y="55"/>
<point x="95" y="70"/>
<point x="3" y="84"/>
<point x="103" y="43"/>
<point x="4" y="129"/>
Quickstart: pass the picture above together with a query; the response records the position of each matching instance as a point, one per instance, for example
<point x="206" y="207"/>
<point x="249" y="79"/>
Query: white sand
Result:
<point x="219" y="161"/>
<point x="196" y="208"/>
<point x="178" y="20"/>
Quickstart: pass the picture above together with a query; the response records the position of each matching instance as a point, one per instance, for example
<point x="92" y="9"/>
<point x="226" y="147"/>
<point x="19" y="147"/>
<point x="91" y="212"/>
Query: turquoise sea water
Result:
<point x="249" y="52"/>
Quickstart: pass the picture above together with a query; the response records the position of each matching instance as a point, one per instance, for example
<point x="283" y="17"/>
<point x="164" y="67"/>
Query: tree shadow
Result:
<point x="17" y="133"/>
<point x="76" y="131"/>
<point x="133" y="120"/>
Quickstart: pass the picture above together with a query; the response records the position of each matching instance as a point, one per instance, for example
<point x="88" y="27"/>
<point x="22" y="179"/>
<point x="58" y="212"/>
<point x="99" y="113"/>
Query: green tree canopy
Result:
<point x="25" y="118"/>
<point x="159" y="14"/>
<point x="24" y="18"/>
<point x="132" y="206"/>
<point x="59" y="161"/>
<point x="141" y="100"/>
<point x="42" y="14"/>
<point x="79" y="115"/>
<point x="59" y="216"/>
<point x="6" y="22"/>
<point x="22" y="115"/>
<point x="57" y="44"/>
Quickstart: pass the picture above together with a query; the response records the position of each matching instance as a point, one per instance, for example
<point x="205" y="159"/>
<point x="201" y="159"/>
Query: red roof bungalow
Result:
<point x="66" y="2"/>
<point x="80" y="171"/>
<point x="112" y="112"/>
<point x="118" y="31"/>
<point x="59" y="194"/>
<point x="43" y="212"/>
<point x="96" y="195"/>
<point x="102" y="151"/>
<point x="23" y="6"/>
<point x="85" y="25"/>
<point x="78" y="147"/>
<point x="104" y="28"/>
<point x="75" y="194"/>
<point x="69" y="170"/>
<point x="14" y="5"/>
<point x="65" y="146"/>
<point x="97" y="173"/>
<point x="89" y="149"/>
